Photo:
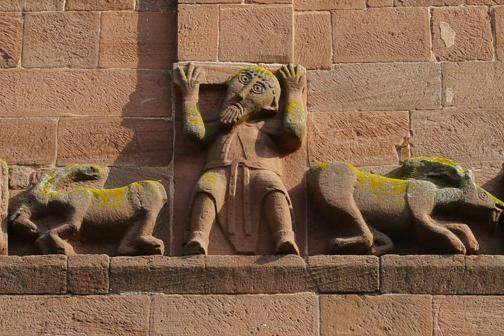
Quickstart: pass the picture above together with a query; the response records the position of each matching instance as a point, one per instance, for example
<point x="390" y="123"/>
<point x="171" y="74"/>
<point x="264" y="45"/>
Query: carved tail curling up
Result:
<point x="133" y="208"/>
<point x="376" y="206"/>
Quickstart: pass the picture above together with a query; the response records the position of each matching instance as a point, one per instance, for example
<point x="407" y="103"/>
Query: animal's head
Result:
<point x="250" y="92"/>
<point x="20" y="218"/>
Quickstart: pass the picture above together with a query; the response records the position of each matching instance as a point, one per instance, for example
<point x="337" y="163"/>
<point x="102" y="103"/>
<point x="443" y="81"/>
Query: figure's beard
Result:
<point x="232" y="114"/>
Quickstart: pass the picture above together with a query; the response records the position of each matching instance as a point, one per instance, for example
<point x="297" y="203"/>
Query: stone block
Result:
<point x="20" y="176"/>
<point x="498" y="16"/>
<point x="31" y="5"/>
<point x="312" y="42"/>
<point x="382" y="315"/>
<point x="115" y="141"/>
<point x="157" y="5"/>
<point x="381" y="35"/>
<point x="11" y="33"/>
<point x="33" y="275"/>
<point x="462" y="34"/>
<point x="145" y="40"/>
<point x="384" y="86"/>
<point x="422" y="274"/>
<point x="129" y="93"/>
<point x="75" y="315"/>
<point x="256" y="33"/>
<point x="99" y="5"/>
<point x="485" y="2"/>
<point x="428" y="3"/>
<point x="88" y="274"/>
<point x="227" y="315"/>
<point x="257" y="274"/>
<point x="380" y="3"/>
<point x="198" y="32"/>
<point x="323" y="5"/>
<point x="484" y="275"/>
<point x="361" y="138"/>
<point x="344" y="274"/>
<point x="28" y="141"/>
<point x="177" y="275"/>
<point x="61" y="39"/>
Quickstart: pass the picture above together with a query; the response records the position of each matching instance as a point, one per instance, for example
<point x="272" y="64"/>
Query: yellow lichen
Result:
<point x="109" y="197"/>
<point x="378" y="185"/>
<point x="208" y="179"/>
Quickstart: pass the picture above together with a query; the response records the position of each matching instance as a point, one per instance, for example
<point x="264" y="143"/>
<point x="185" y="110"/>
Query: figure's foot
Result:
<point x="144" y="245"/>
<point x="195" y="247"/>
<point x="287" y="247"/>
<point x="358" y="245"/>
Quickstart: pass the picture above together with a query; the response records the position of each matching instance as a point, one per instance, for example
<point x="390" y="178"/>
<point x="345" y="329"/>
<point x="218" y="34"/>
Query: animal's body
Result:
<point x="378" y="207"/>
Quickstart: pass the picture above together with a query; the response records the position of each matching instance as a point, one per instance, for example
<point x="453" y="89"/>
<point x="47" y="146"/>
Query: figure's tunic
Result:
<point x="243" y="166"/>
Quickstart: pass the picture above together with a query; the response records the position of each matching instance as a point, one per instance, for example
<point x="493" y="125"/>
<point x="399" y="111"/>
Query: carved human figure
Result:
<point x="241" y="182"/>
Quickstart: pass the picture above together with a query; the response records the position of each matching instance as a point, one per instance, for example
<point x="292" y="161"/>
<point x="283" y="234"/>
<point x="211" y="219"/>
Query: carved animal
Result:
<point x="132" y="209"/>
<point x="375" y="207"/>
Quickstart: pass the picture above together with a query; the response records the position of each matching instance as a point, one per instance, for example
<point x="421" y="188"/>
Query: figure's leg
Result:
<point x="202" y="218"/>
<point x="382" y="243"/>
<point x="52" y="242"/>
<point x="465" y="234"/>
<point x="439" y="238"/>
<point x="277" y="214"/>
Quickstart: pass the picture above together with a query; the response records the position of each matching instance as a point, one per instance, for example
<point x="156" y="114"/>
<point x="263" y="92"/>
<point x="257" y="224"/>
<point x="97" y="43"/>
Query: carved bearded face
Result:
<point x="251" y="93"/>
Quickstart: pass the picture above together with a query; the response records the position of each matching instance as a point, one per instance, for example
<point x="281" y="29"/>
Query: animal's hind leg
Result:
<point x="465" y="234"/>
<point x="360" y="242"/>
<point x="52" y="241"/>
<point x="139" y="239"/>
<point x="437" y="237"/>
<point x="382" y="243"/>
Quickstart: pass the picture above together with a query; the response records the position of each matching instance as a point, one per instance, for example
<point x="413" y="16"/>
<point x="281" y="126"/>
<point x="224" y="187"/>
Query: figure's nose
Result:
<point x="244" y="92"/>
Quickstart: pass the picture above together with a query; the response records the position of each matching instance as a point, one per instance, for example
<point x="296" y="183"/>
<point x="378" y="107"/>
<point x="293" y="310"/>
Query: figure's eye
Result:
<point x="258" y="88"/>
<point x="482" y="195"/>
<point x="245" y="78"/>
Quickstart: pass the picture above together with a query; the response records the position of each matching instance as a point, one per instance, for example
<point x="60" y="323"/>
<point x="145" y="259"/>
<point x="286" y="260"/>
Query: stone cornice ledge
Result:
<point x="99" y="274"/>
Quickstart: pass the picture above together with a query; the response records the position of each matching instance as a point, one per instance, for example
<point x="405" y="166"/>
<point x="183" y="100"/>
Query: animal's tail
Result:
<point x="4" y="206"/>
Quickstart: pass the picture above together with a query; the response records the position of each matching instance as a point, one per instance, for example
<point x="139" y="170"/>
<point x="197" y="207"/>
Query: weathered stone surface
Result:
<point x="428" y="3"/>
<point x="376" y="315"/>
<point x="157" y="5"/>
<point x="461" y="34"/>
<point x="210" y="1"/>
<point x="100" y="5"/>
<point x="344" y="274"/>
<point x="31" y="5"/>
<point x="484" y="275"/>
<point x="257" y="33"/>
<point x="312" y="43"/>
<point x="11" y="32"/>
<point x="473" y="84"/>
<point x="61" y="39"/>
<point x="464" y="135"/>
<point x="320" y="5"/>
<point x="138" y="40"/>
<point x="257" y="274"/>
<point x="77" y="315"/>
<point x="19" y="176"/>
<point x="380" y="3"/>
<point x="198" y="32"/>
<point x="138" y="93"/>
<point x="178" y="275"/>
<point x="361" y="138"/>
<point x="28" y="141"/>
<point x="33" y="275"/>
<point x="468" y="315"/>
<point x="88" y="274"/>
<point x="498" y="16"/>
<point x="215" y="73"/>
<point x="418" y="274"/>
<point x="386" y="86"/>
<point x="382" y="35"/>
<point x="115" y="141"/>
<point x="485" y="2"/>
<point x="281" y="315"/>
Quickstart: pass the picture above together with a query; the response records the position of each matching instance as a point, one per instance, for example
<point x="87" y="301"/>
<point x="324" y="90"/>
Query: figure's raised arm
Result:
<point x="294" y="118"/>
<point x="189" y="82"/>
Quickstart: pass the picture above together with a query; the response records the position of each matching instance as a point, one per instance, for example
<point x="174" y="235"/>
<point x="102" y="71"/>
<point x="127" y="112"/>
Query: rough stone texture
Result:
<point x="260" y="33"/>
<point x="157" y="5"/>
<point x="468" y="315"/>
<point x="33" y="275"/>
<point x="344" y="274"/>
<point x="30" y="141"/>
<point x="100" y="5"/>
<point x="498" y="15"/>
<point x="483" y="275"/>
<point x="428" y="3"/>
<point x="382" y="35"/>
<point x="19" y="176"/>
<point x="376" y="315"/>
<point x="31" y="5"/>
<point x="462" y="34"/>
<point x="11" y="31"/>
<point x="88" y="274"/>
<point x="257" y="274"/>
<point x="215" y="73"/>
<point x="78" y="315"/>
<point x="198" y="32"/>
<point x="280" y="315"/>
<point x="362" y="138"/>
<point x="380" y="3"/>
<point x="473" y="84"/>
<point x="464" y="135"/>
<point x="178" y="275"/>
<point x="485" y="2"/>
<point x="387" y="86"/>
<point x="115" y="141"/>
<point x="320" y="5"/>
<point x="128" y="93"/>
<point x="312" y="43"/>
<point x="138" y="40"/>
<point x="61" y="39"/>
<point x="422" y="274"/>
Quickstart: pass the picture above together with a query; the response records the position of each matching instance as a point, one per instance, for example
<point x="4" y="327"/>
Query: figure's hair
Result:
<point x="264" y="74"/>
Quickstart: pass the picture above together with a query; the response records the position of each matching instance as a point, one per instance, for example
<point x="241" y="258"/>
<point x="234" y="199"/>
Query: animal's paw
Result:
<point x="150" y="245"/>
<point x="358" y="244"/>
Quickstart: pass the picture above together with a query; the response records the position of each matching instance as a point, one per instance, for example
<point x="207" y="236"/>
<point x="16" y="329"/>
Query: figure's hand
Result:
<point x="294" y="77"/>
<point x="189" y="81"/>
